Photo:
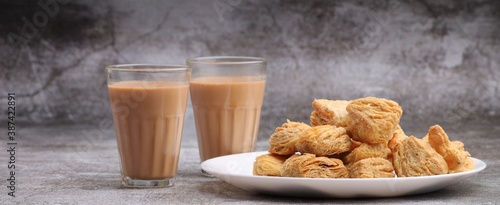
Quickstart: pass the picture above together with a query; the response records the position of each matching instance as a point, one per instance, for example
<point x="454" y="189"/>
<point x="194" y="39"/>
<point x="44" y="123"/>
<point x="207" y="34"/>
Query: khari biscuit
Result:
<point x="284" y="138"/>
<point x="373" y="120"/>
<point x="415" y="157"/>
<point x="453" y="152"/>
<point x="269" y="165"/>
<point x="310" y="166"/>
<point x="361" y="138"/>
<point x="367" y="151"/>
<point x="324" y="140"/>
<point x="397" y="137"/>
<point x="375" y="167"/>
<point x="329" y="112"/>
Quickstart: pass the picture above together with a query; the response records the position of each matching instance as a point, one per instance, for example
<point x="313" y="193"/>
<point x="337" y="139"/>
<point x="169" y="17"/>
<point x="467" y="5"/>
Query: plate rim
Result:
<point x="259" y="184"/>
<point x="476" y="169"/>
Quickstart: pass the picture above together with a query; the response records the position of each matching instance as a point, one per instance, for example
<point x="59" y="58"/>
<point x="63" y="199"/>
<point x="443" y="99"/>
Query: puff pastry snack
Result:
<point x="375" y="167"/>
<point x="453" y="152"/>
<point x="365" y="151"/>
<point x="324" y="140"/>
<point x="360" y="138"/>
<point x="416" y="157"/>
<point x="310" y="166"/>
<point x="373" y="120"/>
<point x="329" y="112"/>
<point x="284" y="138"/>
<point x="269" y="165"/>
<point x="397" y="137"/>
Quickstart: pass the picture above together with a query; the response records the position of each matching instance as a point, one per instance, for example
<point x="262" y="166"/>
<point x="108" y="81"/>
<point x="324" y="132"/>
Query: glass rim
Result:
<point x="147" y="67"/>
<point x="225" y="60"/>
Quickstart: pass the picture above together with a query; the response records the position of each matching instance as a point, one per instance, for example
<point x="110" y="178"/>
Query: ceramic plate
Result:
<point x="237" y="170"/>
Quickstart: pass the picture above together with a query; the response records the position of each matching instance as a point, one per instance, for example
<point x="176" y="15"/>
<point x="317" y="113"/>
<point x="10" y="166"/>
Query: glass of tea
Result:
<point x="227" y="93"/>
<point x="148" y="103"/>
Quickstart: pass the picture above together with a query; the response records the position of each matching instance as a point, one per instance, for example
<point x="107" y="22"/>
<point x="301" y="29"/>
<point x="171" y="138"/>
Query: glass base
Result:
<point x="206" y="173"/>
<point x="154" y="183"/>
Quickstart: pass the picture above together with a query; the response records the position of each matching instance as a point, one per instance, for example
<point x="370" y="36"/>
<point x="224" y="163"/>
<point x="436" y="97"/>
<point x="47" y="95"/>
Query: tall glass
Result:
<point x="227" y="93"/>
<point x="148" y="104"/>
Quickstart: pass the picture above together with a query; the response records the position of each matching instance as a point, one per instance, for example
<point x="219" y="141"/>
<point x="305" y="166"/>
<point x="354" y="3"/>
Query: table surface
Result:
<point x="78" y="164"/>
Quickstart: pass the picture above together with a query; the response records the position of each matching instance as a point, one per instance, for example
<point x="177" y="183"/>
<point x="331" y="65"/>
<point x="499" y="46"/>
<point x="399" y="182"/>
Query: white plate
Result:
<point x="237" y="170"/>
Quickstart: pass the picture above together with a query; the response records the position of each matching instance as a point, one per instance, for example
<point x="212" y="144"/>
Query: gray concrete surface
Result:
<point x="78" y="164"/>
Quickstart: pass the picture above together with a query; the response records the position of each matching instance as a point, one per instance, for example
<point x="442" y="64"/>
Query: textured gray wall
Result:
<point x="439" y="59"/>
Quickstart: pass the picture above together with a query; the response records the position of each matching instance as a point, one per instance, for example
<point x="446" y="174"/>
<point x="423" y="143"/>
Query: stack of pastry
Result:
<point x="361" y="138"/>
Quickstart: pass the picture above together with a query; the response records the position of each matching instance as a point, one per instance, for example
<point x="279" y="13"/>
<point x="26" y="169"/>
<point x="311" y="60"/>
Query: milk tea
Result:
<point x="227" y="114"/>
<point x="148" y="119"/>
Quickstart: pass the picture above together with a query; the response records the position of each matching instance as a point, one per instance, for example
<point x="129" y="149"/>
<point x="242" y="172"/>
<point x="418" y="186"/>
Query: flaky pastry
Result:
<point x="376" y="167"/>
<point x="269" y="165"/>
<point x="373" y="120"/>
<point x="365" y="151"/>
<point x="284" y="138"/>
<point x="453" y="152"/>
<point x="324" y="140"/>
<point x="397" y="137"/>
<point x="329" y="112"/>
<point x="310" y="166"/>
<point x="361" y="138"/>
<point x="416" y="157"/>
